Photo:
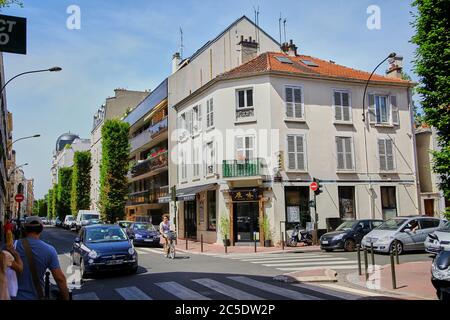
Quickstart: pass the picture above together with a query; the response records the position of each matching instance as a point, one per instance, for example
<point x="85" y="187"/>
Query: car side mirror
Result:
<point x="77" y="240"/>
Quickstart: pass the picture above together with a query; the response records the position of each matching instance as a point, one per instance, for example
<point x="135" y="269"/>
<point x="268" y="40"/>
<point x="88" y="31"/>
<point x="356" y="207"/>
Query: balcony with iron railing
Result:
<point x="147" y="196"/>
<point x="149" y="134"/>
<point x="242" y="168"/>
<point x="159" y="161"/>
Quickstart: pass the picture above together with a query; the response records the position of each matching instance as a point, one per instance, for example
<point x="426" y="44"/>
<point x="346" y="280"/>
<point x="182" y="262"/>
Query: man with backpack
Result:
<point x="37" y="257"/>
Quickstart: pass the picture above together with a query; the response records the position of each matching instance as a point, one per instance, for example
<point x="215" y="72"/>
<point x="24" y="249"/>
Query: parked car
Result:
<point x="100" y="248"/>
<point x="438" y="240"/>
<point x="58" y="222"/>
<point x="348" y="234"/>
<point x="440" y="275"/>
<point x="94" y="221"/>
<point x="124" y="224"/>
<point x="409" y="233"/>
<point x="83" y="216"/>
<point x="69" y="222"/>
<point x="44" y="221"/>
<point x="143" y="233"/>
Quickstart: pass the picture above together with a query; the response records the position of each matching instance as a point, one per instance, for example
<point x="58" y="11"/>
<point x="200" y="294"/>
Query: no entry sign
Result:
<point x="13" y="34"/>
<point x="19" y="197"/>
<point x="314" y="186"/>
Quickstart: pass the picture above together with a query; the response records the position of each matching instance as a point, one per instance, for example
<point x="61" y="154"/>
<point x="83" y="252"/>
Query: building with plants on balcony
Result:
<point x="148" y="176"/>
<point x="251" y="140"/>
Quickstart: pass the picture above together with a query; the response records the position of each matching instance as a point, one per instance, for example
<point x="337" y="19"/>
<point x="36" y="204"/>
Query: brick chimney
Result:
<point x="176" y="59"/>
<point x="395" y="67"/>
<point x="249" y="49"/>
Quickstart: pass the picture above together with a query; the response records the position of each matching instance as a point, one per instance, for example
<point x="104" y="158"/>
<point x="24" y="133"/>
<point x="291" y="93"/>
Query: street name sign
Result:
<point x="13" y="34"/>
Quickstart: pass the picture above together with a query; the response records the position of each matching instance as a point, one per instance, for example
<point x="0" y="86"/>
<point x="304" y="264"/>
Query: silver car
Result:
<point x="438" y="240"/>
<point x="408" y="232"/>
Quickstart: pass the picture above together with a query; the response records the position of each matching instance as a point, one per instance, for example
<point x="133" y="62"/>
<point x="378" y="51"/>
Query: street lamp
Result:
<point x="16" y="168"/>
<point x="392" y="55"/>
<point x="23" y="138"/>
<point x="53" y="69"/>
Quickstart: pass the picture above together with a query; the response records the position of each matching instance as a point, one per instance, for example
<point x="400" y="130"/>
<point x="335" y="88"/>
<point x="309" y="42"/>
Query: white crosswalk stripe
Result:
<point x="309" y="263"/>
<point x="291" y="260"/>
<point x="132" y="293"/>
<point x="287" y="293"/>
<point x="86" y="296"/>
<point x="181" y="291"/>
<point x="227" y="290"/>
<point x="148" y="250"/>
<point x="334" y="267"/>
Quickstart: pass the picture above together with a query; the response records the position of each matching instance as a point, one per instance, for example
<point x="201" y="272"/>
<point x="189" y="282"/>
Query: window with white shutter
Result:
<point x="383" y="109"/>
<point x="344" y="146"/>
<point x="294" y="103"/>
<point x="342" y="108"/>
<point x="394" y="110"/>
<point x="196" y="160"/>
<point x="197" y="119"/>
<point x="183" y="165"/>
<point x="296" y="150"/>
<point x="386" y="154"/>
<point x="210" y="158"/>
<point x="245" y="147"/>
<point x="209" y="113"/>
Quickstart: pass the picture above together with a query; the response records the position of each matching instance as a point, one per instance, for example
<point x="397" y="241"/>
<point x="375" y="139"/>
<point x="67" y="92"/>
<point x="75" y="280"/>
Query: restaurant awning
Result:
<point x="188" y="194"/>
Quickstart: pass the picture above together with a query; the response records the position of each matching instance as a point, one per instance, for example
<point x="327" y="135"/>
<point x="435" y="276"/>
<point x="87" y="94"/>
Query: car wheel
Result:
<point x="349" y="245"/>
<point x="292" y="243"/>
<point x="399" y="247"/>
<point x="134" y="270"/>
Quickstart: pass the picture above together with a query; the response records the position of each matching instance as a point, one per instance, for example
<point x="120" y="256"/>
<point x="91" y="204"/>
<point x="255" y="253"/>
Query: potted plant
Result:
<point x="225" y="230"/>
<point x="267" y="231"/>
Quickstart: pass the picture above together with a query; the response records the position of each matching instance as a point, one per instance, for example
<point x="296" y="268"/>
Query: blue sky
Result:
<point x="129" y="44"/>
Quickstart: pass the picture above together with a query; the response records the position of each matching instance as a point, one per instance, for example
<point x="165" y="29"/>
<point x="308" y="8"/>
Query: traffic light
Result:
<point x="319" y="188"/>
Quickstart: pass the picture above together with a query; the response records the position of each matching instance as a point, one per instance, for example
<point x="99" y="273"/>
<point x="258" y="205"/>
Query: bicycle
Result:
<point x="170" y="248"/>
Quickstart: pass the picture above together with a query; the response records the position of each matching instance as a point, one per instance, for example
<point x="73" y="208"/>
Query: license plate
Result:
<point x="114" y="262"/>
<point x="148" y="240"/>
<point x="324" y="242"/>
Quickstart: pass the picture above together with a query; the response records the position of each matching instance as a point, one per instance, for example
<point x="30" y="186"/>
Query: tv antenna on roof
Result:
<point x="284" y="23"/>
<point x="256" y="11"/>
<point x="181" y="43"/>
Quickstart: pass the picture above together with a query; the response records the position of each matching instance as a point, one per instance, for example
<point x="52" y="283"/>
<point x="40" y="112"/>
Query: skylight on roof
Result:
<point x="309" y="63"/>
<point x="284" y="60"/>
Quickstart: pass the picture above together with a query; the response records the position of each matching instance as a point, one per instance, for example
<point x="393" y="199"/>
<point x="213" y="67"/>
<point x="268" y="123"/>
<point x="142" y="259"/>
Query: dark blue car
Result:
<point x="103" y="248"/>
<point x="143" y="233"/>
<point x="348" y="234"/>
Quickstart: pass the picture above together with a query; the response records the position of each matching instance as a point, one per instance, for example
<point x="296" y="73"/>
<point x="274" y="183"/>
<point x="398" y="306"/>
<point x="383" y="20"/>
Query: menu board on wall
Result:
<point x="293" y="214"/>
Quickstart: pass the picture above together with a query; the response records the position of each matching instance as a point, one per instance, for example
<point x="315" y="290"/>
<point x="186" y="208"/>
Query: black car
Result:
<point x="348" y="234"/>
<point x="103" y="247"/>
<point x="440" y="275"/>
<point x="143" y="233"/>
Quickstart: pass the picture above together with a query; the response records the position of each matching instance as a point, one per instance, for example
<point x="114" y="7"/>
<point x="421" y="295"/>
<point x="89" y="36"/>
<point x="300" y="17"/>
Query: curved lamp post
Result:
<point x="16" y="168"/>
<point x="23" y="138"/>
<point x="392" y="55"/>
<point x="53" y="69"/>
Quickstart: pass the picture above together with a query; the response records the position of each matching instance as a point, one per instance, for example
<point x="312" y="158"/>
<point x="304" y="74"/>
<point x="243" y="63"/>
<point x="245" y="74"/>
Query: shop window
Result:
<point x="347" y="203"/>
<point x="212" y="212"/>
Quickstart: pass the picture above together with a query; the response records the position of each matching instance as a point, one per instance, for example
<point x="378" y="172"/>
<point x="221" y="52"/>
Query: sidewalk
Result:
<point x="194" y="247"/>
<point x="413" y="280"/>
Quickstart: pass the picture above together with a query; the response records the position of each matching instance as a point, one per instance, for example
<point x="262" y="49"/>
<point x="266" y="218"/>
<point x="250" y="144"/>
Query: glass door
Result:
<point x="190" y="219"/>
<point x="246" y="221"/>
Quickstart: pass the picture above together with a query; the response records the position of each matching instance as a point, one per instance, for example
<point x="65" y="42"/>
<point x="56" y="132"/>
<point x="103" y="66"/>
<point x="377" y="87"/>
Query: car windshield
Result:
<point x="446" y="227"/>
<point x="87" y="216"/>
<point x="347" y="225"/>
<point x="124" y="224"/>
<point x="105" y="234"/>
<point x="391" y="224"/>
<point x="144" y="226"/>
<point x="69" y="218"/>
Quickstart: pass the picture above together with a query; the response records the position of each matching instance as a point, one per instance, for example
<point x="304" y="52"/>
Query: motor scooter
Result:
<point x="300" y="235"/>
<point x="440" y="275"/>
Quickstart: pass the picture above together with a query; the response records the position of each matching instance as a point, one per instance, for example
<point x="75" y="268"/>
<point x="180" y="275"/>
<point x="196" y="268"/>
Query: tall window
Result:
<point x="212" y="213"/>
<point x="245" y="147"/>
<point x="388" y="202"/>
<point x="342" y="109"/>
<point x="196" y="160"/>
<point x="245" y="98"/>
<point x="386" y="154"/>
<point x="347" y="202"/>
<point x="294" y="103"/>
<point x="209" y="113"/>
<point x="383" y="109"/>
<point x="210" y="158"/>
<point x="197" y="119"/>
<point x="344" y="153"/>
<point x="296" y="152"/>
<point x="183" y="165"/>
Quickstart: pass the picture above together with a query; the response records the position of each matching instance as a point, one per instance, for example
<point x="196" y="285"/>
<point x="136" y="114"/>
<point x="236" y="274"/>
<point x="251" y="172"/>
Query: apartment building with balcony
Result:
<point x="250" y="142"/>
<point x="115" y="107"/>
<point x="4" y="140"/>
<point x="149" y="161"/>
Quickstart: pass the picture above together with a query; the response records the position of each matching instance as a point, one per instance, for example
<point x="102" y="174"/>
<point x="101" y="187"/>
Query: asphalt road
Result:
<point x="201" y="277"/>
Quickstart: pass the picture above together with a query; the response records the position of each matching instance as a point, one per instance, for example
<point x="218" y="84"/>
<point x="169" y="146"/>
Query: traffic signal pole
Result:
<point x="316" y="225"/>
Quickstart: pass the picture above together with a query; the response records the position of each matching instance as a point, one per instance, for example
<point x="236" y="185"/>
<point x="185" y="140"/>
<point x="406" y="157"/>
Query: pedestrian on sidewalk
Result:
<point x="8" y="231"/>
<point x="37" y="257"/>
<point x="10" y="264"/>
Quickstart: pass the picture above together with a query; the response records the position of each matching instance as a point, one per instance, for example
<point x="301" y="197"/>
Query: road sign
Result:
<point x="19" y="197"/>
<point x="13" y="34"/>
<point x="314" y="186"/>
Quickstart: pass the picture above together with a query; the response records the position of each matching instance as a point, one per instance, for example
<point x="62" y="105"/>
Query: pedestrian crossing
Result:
<point x="228" y="287"/>
<point x="297" y="261"/>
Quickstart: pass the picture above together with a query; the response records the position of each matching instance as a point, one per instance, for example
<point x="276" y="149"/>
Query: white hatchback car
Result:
<point x="439" y="240"/>
<point x="408" y="232"/>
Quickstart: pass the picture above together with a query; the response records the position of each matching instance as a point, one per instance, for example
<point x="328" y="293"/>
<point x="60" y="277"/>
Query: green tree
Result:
<point x="432" y="24"/>
<point x="8" y="3"/>
<point x="113" y="169"/>
<point x="51" y="203"/>
<point x="63" y="192"/>
<point x="81" y="182"/>
<point x="40" y="207"/>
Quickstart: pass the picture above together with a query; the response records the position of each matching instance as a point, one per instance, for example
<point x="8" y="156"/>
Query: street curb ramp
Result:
<point x="319" y="275"/>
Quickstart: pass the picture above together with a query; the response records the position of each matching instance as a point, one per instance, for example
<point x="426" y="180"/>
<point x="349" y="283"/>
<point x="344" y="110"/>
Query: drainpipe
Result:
<point x="414" y="150"/>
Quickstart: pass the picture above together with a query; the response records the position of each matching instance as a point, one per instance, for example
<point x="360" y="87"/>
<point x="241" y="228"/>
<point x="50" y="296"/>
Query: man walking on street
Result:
<point x="37" y="257"/>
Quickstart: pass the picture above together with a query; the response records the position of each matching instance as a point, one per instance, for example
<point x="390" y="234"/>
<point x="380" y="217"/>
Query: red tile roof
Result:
<point x="267" y="62"/>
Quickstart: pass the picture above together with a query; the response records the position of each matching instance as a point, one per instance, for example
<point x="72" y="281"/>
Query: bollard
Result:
<point x="47" y="285"/>
<point x="396" y="253"/>
<point x="394" y="281"/>
<point x="254" y="236"/>
<point x="185" y="237"/>
<point x="282" y="241"/>
<point x="373" y="256"/>
<point x="366" y="264"/>
<point x="225" y="244"/>
<point x="201" y="242"/>
<point x="358" y="250"/>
